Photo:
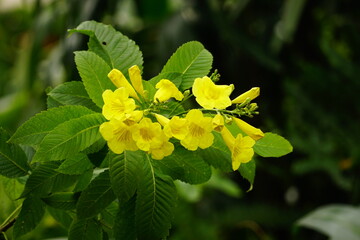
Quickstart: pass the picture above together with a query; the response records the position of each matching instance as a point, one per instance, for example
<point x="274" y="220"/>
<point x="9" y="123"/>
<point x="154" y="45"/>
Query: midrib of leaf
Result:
<point x="96" y="76"/>
<point x="154" y="188"/>
<point x="9" y="158"/>
<point x="63" y="94"/>
<point x="195" y="58"/>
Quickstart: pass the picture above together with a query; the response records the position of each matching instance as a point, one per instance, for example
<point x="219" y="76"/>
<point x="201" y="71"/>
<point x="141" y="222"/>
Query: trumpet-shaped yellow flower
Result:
<point x="167" y="90"/>
<point x="132" y="117"/>
<point x="251" y="94"/>
<point x="253" y="132"/>
<point x="118" y="136"/>
<point x="241" y="147"/>
<point x="119" y="80"/>
<point x="209" y="95"/>
<point x="148" y="135"/>
<point x="164" y="150"/>
<point x="117" y="103"/>
<point x="199" y="131"/>
<point x="136" y="79"/>
<point x="176" y="127"/>
<point x="218" y="122"/>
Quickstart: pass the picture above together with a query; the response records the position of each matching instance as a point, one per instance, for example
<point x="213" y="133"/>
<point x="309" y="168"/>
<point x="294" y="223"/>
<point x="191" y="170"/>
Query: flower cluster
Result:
<point x="135" y="123"/>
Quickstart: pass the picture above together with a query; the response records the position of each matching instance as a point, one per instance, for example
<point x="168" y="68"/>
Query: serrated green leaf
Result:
<point x="96" y="197"/>
<point x="70" y="137"/>
<point x="34" y="130"/>
<point x="124" y="174"/>
<point x="218" y="155"/>
<point x="85" y="229"/>
<point x="41" y="181"/>
<point x="93" y="71"/>
<point x="117" y="50"/>
<point x="62" y="200"/>
<point x="185" y="165"/>
<point x="13" y="188"/>
<point x="13" y="161"/>
<point x="124" y="226"/>
<point x="108" y="215"/>
<point x="156" y="198"/>
<point x="61" y="216"/>
<point x="174" y="77"/>
<point x="272" y="145"/>
<point x="247" y="171"/>
<point x="70" y="93"/>
<point x="31" y="213"/>
<point x="83" y="181"/>
<point x="75" y="165"/>
<point x="191" y="60"/>
<point x="338" y="222"/>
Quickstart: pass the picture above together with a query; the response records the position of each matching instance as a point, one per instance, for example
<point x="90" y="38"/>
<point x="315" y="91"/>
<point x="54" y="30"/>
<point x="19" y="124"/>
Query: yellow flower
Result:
<point x="117" y="103"/>
<point x="253" y="132"/>
<point x="131" y="118"/>
<point x="209" y="95"/>
<point x="148" y="135"/>
<point x="240" y="147"/>
<point x="251" y="94"/>
<point x="119" y="80"/>
<point x="136" y="79"/>
<point x="118" y="136"/>
<point x="164" y="150"/>
<point x="176" y="127"/>
<point x="199" y="131"/>
<point x="167" y="90"/>
<point x="218" y="122"/>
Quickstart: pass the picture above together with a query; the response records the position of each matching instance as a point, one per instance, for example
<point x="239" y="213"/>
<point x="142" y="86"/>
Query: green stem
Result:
<point x="9" y="222"/>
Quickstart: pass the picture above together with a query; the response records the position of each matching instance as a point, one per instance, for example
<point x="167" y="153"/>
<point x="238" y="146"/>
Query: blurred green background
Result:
<point x="304" y="56"/>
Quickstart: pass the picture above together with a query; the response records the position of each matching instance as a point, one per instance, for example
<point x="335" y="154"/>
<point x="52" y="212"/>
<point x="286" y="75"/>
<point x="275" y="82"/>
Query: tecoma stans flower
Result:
<point x="175" y="127"/>
<point x="199" y="131"/>
<point x="218" y="122"/>
<point x="253" y="132"/>
<point x="167" y="90"/>
<point x="119" y="80"/>
<point x="117" y="103"/>
<point x="118" y="135"/>
<point x="136" y="79"/>
<point x="148" y="135"/>
<point x="164" y="150"/>
<point x="251" y="94"/>
<point x="209" y="95"/>
<point x="240" y="147"/>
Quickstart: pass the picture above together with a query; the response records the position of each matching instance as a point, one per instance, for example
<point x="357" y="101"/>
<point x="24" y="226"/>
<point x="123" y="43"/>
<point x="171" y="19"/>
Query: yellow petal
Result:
<point x="218" y="122"/>
<point x="119" y="80"/>
<point x="162" y="119"/>
<point x="254" y="133"/>
<point x="251" y="94"/>
<point x="228" y="138"/>
<point x="136" y="79"/>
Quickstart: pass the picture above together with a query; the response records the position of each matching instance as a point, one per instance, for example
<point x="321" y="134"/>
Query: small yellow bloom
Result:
<point x="131" y="118"/>
<point x="251" y="94"/>
<point x="167" y="90"/>
<point x="164" y="150"/>
<point x="148" y="135"/>
<point x="136" y="79"/>
<point x="209" y="95"/>
<point x="241" y="147"/>
<point x="117" y="103"/>
<point x="199" y="131"/>
<point x="118" y="136"/>
<point x="253" y="132"/>
<point x="218" y="122"/>
<point x="119" y="80"/>
<point x="176" y="127"/>
<point x="162" y="119"/>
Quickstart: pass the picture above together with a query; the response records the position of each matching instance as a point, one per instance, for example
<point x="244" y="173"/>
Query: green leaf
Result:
<point x="93" y="71"/>
<point x="41" y="180"/>
<point x="13" y="161"/>
<point x="191" y="60"/>
<point x="61" y="216"/>
<point x="85" y="229"/>
<point x="70" y="93"/>
<point x="218" y="155"/>
<point x="247" y="171"/>
<point x="272" y="145"/>
<point x="171" y="108"/>
<point x="83" y="181"/>
<point x="124" y="227"/>
<point x="185" y="165"/>
<point x="96" y="197"/>
<point x="31" y="213"/>
<point x="117" y="50"/>
<point x="338" y="222"/>
<point x="69" y="138"/>
<point x="107" y="216"/>
<point x="175" y="77"/>
<point x="34" y="130"/>
<point x="13" y="188"/>
<point x="156" y="198"/>
<point x="124" y="174"/>
<point x="76" y="164"/>
<point x="62" y="200"/>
